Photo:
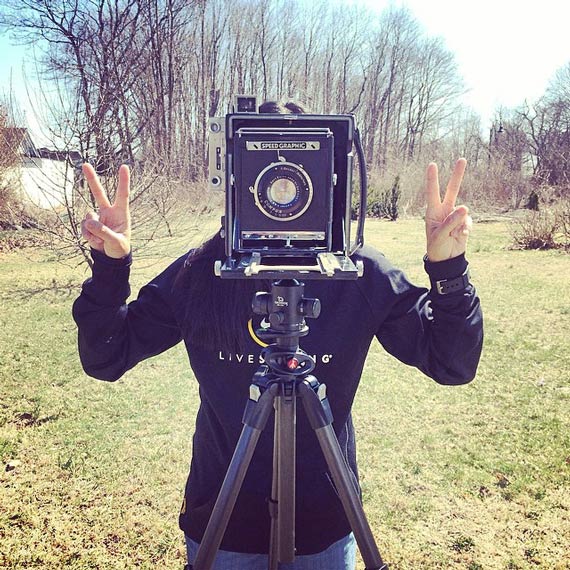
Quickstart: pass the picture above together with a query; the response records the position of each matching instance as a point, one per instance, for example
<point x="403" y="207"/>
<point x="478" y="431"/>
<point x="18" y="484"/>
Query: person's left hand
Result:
<point x="447" y="225"/>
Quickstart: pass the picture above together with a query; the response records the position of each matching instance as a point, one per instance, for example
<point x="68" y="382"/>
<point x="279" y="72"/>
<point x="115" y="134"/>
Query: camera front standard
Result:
<point x="288" y="185"/>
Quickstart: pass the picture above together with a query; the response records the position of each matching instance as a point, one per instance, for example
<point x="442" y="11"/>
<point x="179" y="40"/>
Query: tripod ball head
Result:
<point x="286" y="299"/>
<point x="287" y="309"/>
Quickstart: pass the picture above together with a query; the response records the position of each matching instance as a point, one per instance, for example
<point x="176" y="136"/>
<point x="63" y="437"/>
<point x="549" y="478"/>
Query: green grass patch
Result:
<point x="472" y="477"/>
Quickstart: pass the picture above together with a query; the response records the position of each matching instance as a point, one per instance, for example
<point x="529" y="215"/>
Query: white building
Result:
<point x="44" y="177"/>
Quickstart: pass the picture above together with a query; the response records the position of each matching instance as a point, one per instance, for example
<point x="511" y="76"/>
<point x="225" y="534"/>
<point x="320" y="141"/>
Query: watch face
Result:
<point x="283" y="191"/>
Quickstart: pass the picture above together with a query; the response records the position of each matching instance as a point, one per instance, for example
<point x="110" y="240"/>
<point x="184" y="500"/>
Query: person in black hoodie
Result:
<point x="438" y="330"/>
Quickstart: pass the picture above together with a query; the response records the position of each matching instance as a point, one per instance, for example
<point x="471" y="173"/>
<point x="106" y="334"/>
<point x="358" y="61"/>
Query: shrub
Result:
<point x="562" y="215"/>
<point x="10" y="140"/>
<point x="386" y="205"/>
<point x="10" y="205"/>
<point x="535" y="230"/>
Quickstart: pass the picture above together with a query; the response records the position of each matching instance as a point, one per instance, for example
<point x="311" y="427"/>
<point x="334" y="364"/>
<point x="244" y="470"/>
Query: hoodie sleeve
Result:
<point x="441" y="335"/>
<point x="114" y="335"/>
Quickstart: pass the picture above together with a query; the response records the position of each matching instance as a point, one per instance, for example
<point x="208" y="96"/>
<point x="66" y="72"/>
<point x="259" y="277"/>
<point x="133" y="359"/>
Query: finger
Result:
<point x="103" y="232"/>
<point x="92" y="240"/>
<point x="122" y="197"/>
<point x="95" y="186"/>
<point x="432" y="186"/>
<point x="455" y="220"/>
<point x="84" y="231"/>
<point x="455" y="183"/>
<point x="463" y="230"/>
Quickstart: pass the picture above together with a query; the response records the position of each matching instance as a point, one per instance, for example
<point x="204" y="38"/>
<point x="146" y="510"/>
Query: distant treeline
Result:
<point x="137" y="80"/>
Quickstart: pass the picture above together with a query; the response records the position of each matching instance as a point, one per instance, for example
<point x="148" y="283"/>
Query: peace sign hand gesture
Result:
<point x="109" y="231"/>
<point x="447" y="226"/>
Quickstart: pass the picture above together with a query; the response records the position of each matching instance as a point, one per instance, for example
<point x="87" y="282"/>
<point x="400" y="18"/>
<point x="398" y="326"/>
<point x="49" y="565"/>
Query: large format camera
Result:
<point x="288" y="185"/>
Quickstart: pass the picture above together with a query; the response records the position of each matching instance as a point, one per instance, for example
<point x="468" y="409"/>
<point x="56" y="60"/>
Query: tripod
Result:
<point x="277" y="384"/>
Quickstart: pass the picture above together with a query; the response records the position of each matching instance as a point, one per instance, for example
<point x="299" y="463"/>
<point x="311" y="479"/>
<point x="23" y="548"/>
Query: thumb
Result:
<point x="115" y="244"/>
<point x="94" y="241"/>
<point x="100" y="230"/>
<point x="457" y="218"/>
<point x="463" y="230"/>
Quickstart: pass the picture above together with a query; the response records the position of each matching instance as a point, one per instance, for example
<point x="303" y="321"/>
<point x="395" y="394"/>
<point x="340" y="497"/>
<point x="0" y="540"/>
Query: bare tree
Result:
<point x="434" y="89"/>
<point x="136" y="80"/>
<point x="10" y="142"/>
<point x="388" y="71"/>
<point x="547" y="124"/>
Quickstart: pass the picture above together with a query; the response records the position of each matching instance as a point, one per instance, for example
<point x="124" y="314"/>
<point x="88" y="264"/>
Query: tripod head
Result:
<point x="287" y="310"/>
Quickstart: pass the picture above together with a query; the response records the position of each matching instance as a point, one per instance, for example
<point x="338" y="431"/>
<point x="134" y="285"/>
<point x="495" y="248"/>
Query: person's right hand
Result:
<point x="109" y="230"/>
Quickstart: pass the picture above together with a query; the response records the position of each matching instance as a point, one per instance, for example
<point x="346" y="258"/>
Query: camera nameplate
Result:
<point x="280" y="145"/>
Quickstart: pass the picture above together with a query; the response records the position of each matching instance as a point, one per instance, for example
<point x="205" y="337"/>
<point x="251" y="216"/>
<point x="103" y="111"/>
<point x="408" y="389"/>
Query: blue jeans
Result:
<point x="338" y="556"/>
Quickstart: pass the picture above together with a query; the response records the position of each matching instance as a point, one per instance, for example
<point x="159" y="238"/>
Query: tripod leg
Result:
<point x="282" y="507"/>
<point x="255" y="418"/>
<point x="273" y="505"/>
<point x="320" y="417"/>
<point x="286" y="412"/>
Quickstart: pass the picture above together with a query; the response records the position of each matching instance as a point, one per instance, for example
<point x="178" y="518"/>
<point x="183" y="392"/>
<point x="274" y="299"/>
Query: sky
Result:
<point x="16" y="63"/>
<point x="506" y="51"/>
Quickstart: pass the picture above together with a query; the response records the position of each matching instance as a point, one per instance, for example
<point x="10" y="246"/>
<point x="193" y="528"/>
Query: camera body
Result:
<point x="288" y="185"/>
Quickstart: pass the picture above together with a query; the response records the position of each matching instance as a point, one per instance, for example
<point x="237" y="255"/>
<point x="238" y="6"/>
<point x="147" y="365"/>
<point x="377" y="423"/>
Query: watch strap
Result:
<point x="446" y="286"/>
<point x="438" y="272"/>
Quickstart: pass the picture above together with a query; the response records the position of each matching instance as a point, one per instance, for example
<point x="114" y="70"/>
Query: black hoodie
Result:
<point x="439" y="334"/>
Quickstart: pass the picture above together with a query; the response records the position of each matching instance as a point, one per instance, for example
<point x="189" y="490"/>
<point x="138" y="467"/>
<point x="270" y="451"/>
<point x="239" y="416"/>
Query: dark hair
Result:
<point x="282" y="108"/>
<point x="217" y="310"/>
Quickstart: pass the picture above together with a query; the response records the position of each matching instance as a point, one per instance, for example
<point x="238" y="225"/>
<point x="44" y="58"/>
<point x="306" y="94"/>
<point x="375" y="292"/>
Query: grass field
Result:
<point x="474" y="477"/>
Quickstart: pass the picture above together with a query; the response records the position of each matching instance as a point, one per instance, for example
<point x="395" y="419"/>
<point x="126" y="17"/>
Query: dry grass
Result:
<point x="473" y="477"/>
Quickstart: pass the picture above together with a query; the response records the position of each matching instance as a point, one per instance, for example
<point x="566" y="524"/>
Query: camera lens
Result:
<point x="283" y="191"/>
